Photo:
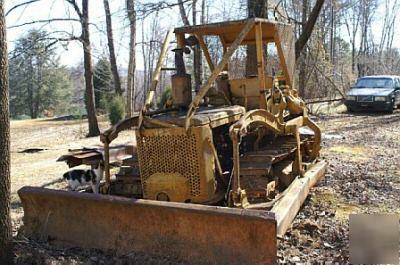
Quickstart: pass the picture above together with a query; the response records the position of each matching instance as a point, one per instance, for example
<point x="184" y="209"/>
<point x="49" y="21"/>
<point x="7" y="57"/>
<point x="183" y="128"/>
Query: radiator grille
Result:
<point x="169" y="154"/>
<point x="365" y="98"/>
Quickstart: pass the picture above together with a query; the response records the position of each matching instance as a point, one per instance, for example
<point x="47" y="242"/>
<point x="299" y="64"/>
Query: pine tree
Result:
<point x="37" y="80"/>
<point x="103" y="83"/>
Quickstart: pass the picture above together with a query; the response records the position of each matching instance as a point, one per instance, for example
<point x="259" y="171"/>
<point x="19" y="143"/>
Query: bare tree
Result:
<point x="196" y="53"/>
<point x="388" y="28"/>
<point x="150" y="45"/>
<point x="5" y="220"/>
<point x="308" y="27"/>
<point x="302" y="63"/>
<point x="367" y="9"/>
<point x="130" y="88"/>
<point x="352" y="21"/>
<point x="111" y="50"/>
<point x="83" y="19"/>
<point x="182" y="11"/>
<point x="87" y="61"/>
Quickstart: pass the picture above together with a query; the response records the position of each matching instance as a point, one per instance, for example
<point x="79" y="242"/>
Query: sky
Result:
<point x="71" y="54"/>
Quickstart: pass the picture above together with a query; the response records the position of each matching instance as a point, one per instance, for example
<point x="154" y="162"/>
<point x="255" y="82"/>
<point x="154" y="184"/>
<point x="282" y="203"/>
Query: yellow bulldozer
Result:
<point x="216" y="175"/>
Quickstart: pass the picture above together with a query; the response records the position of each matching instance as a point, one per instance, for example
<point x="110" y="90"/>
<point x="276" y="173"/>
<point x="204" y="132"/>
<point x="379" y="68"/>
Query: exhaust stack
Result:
<point x="181" y="81"/>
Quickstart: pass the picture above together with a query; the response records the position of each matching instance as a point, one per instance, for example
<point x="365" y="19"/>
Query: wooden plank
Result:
<point x="287" y="208"/>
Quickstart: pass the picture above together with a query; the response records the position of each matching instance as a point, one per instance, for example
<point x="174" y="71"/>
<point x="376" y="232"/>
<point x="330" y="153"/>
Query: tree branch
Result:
<point x="44" y="21"/>
<point x="76" y="8"/>
<point x="308" y="27"/>
<point x="148" y="8"/>
<point x="19" y="5"/>
<point x="182" y="11"/>
<point x="54" y="40"/>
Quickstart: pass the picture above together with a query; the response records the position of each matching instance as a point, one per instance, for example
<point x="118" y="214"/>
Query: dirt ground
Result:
<point x="40" y="168"/>
<point x="364" y="177"/>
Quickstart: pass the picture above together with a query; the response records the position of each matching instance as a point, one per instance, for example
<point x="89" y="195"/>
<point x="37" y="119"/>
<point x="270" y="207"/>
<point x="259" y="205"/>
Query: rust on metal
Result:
<point x="195" y="233"/>
<point x="241" y="143"/>
<point x="287" y="208"/>
<point x="92" y="156"/>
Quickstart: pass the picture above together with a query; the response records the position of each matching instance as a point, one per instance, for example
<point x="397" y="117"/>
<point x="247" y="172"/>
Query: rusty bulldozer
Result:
<point x="216" y="175"/>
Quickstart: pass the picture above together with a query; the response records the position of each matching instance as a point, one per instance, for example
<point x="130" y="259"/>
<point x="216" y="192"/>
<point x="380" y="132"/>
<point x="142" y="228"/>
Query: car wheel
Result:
<point x="391" y="108"/>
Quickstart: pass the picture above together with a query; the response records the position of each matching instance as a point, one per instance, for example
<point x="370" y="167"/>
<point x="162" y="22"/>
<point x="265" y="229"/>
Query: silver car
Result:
<point x="379" y="92"/>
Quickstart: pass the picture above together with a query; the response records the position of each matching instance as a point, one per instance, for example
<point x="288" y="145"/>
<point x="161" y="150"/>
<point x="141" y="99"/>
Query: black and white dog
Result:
<point x="81" y="177"/>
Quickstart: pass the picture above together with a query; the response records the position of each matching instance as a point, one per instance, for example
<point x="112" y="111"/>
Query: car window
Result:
<point x="375" y="82"/>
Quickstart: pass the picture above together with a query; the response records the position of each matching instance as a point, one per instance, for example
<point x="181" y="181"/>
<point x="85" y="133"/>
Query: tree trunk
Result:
<point x="196" y="54"/>
<point x="353" y="57"/>
<point x="87" y="61"/>
<point x="130" y="88"/>
<point x="332" y="34"/>
<point x="308" y="28"/>
<point x="30" y="90"/>
<point x="111" y="50"/>
<point x="182" y="11"/>
<point x="203" y="21"/>
<point x="303" y="64"/>
<point x="255" y="8"/>
<point x="6" y="256"/>
<point x="39" y="87"/>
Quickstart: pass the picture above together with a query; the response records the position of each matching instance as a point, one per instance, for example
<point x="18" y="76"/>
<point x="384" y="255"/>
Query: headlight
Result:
<point x="380" y="98"/>
<point x="352" y="98"/>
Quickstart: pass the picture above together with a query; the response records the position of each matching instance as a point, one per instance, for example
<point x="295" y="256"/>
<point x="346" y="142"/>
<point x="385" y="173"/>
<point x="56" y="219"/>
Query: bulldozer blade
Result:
<point x="188" y="232"/>
<point x="287" y="208"/>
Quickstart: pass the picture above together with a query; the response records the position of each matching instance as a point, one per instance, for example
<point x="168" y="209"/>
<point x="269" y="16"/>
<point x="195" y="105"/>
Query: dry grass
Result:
<point x="41" y="168"/>
<point x="341" y="208"/>
<point x="356" y="153"/>
<point x="363" y="177"/>
<point x="327" y="108"/>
